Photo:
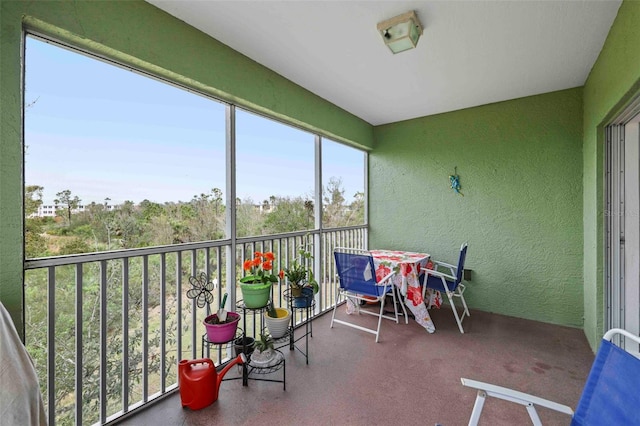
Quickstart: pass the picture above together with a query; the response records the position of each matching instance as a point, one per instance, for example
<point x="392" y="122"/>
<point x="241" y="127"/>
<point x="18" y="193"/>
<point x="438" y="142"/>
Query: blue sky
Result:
<point x="103" y="131"/>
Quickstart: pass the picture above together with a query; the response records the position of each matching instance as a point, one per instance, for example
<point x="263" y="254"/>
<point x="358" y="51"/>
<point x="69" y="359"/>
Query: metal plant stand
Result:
<point x="253" y="372"/>
<point x="304" y="304"/>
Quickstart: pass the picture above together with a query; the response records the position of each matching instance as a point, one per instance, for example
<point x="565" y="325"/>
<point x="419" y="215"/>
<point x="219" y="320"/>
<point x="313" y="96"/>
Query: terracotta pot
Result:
<point x="296" y="291"/>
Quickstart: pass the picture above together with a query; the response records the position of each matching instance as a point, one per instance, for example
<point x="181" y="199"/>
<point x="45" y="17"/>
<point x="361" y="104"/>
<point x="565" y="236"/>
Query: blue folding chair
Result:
<point x="610" y="396"/>
<point x="449" y="283"/>
<point x="357" y="281"/>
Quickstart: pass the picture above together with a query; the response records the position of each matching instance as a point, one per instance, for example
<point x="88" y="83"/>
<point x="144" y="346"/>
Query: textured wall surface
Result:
<point x="520" y="165"/>
<point x="613" y="81"/>
<point x="139" y="34"/>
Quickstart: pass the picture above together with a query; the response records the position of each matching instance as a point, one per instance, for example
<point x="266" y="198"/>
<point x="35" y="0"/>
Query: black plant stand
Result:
<point x="252" y="372"/>
<point x="206" y="343"/>
<point x="304" y="304"/>
<point x="218" y="346"/>
<point x="257" y="373"/>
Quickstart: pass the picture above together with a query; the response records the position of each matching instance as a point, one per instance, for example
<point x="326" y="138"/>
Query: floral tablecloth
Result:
<point x="407" y="266"/>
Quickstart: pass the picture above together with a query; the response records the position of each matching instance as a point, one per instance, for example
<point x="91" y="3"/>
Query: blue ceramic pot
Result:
<point x="305" y="300"/>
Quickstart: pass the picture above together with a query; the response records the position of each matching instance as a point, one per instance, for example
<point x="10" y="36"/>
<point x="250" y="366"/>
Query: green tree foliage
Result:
<point x="73" y="246"/>
<point x="333" y="213"/>
<point x="101" y="227"/>
<point x="248" y="219"/>
<point x="206" y="219"/>
<point x="356" y="210"/>
<point x="35" y="244"/>
<point x="67" y="202"/>
<point x="288" y="215"/>
<point x="150" y="210"/>
<point x="32" y="199"/>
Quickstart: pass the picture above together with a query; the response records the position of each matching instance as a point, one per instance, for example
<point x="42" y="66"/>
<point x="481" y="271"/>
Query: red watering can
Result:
<point x="199" y="382"/>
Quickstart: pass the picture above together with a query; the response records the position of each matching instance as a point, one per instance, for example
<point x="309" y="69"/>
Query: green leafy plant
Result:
<point x="265" y="342"/>
<point x="298" y="274"/>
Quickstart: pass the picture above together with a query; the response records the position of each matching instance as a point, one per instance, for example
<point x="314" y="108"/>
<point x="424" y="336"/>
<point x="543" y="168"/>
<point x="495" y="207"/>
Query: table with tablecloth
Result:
<point x="407" y="266"/>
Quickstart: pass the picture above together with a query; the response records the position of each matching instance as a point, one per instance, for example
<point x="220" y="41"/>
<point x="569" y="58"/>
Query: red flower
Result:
<point x="281" y="274"/>
<point x="259" y="269"/>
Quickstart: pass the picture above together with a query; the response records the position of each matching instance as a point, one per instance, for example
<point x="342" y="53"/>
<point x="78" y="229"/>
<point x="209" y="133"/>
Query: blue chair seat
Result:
<point x="358" y="282"/>
<point x="436" y="284"/>
<point x="610" y="395"/>
<point x="367" y="289"/>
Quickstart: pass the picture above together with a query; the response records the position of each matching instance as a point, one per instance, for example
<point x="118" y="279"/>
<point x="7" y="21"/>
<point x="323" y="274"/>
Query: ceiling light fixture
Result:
<point x="401" y="32"/>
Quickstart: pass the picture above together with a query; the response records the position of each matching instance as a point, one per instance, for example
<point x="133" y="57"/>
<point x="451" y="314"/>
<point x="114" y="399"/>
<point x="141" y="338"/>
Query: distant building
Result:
<point x="265" y="207"/>
<point x="49" y="210"/>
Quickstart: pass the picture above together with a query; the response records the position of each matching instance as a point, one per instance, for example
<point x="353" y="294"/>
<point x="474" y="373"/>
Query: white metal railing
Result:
<point x="116" y="323"/>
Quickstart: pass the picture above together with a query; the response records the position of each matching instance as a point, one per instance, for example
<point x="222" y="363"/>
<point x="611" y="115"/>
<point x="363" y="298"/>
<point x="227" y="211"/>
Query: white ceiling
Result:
<point x="471" y="53"/>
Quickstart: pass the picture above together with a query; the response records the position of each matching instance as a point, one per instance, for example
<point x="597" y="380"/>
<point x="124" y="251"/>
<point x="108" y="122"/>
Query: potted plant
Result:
<point x="202" y="292"/>
<point x="302" y="284"/>
<point x="244" y="344"/>
<point x="256" y="284"/>
<point x="221" y="331"/>
<point x="263" y="352"/>
<point x="277" y="320"/>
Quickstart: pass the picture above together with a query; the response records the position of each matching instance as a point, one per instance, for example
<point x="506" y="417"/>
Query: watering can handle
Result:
<point x="199" y="361"/>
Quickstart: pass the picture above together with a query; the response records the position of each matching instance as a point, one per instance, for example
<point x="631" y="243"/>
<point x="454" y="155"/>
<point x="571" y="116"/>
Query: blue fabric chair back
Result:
<point x="610" y="396"/>
<point x="463" y="255"/>
<point x="357" y="273"/>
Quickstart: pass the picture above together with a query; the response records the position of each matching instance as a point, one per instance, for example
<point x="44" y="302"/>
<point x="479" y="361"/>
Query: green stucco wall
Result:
<point x="613" y="81"/>
<point x="520" y="165"/>
<point x="136" y="33"/>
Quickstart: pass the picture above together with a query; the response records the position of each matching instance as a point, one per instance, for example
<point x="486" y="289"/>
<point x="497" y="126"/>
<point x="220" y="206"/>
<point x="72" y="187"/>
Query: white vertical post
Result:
<point x="230" y="230"/>
<point x="317" y="213"/>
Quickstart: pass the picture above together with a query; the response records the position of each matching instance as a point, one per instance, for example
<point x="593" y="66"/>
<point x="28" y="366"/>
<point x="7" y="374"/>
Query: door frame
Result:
<point x="622" y="221"/>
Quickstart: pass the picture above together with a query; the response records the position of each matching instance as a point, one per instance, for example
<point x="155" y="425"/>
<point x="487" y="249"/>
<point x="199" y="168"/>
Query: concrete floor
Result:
<point x="409" y="378"/>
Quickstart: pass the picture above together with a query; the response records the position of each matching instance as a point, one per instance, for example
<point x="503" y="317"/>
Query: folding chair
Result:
<point x="610" y="396"/>
<point x="358" y="282"/>
<point x="450" y="283"/>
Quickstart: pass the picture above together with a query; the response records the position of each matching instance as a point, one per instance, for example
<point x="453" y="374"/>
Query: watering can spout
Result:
<point x="240" y="359"/>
